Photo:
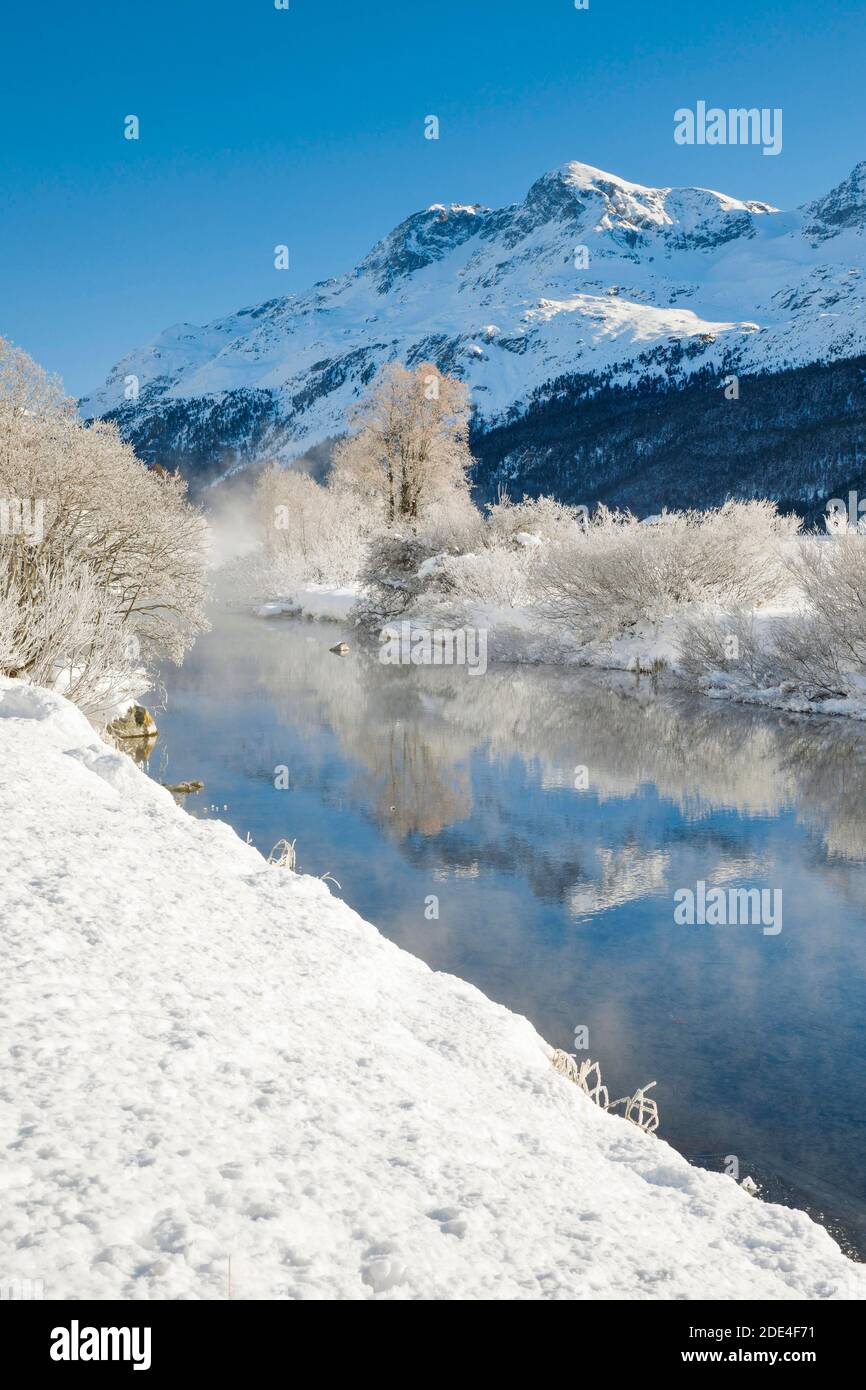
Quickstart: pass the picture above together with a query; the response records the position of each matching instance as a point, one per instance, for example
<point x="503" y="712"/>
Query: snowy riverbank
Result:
<point x="219" y="1078"/>
<point x="522" y="636"/>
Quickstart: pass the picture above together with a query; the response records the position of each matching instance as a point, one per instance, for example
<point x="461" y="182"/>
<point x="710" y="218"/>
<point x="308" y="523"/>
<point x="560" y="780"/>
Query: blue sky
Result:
<point x="306" y="127"/>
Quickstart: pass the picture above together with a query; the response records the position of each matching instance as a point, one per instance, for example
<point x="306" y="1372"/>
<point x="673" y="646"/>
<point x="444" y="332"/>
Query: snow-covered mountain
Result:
<point x="590" y="278"/>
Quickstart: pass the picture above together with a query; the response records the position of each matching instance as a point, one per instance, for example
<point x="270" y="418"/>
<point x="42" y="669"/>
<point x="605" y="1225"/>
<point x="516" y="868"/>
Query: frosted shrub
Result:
<point x="832" y="577"/>
<point x="796" y="649"/>
<point x="500" y="558"/>
<point x="116" y="575"/>
<point x="620" y="572"/>
<point x="396" y="573"/>
<point x="542" y="517"/>
<point x="497" y="575"/>
<point x="606" y="580"/>
<point x="452" y="523"/>
<point x="311" y="533"/>
<point x="837" y="521"/>
<point x="805" y="652"/>
<point x="826" y="643"/>
<point x="737" y="552"/>
<point x="64" y="634"/>
<point x="726" y="643"/>
<point x="821" y="649"/>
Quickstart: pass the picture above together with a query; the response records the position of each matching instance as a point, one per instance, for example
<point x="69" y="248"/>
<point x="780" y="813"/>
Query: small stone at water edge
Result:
<point x="136" y="723"/>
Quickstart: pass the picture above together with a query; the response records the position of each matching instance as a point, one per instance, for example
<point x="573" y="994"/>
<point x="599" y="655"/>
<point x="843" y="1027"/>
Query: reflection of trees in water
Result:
<point x="549" y="868"/>
<point x="828" y="766"/>
<point x="737" y="1014"/>
<point x="626" y="874"/>
<point x="700" y="755"/>
<point x="413" y="772"/>
<point x="411" y="733"/>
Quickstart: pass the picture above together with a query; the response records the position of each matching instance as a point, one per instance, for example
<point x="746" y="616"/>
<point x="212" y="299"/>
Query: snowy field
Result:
<point x="220" y="1081"/>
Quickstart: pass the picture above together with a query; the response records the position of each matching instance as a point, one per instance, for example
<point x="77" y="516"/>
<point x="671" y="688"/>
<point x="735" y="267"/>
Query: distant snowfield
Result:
<point x="218" y="1078"/>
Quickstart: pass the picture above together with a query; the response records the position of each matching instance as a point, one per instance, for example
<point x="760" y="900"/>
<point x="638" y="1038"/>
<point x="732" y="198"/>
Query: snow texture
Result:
<point x="219" y="1079"/>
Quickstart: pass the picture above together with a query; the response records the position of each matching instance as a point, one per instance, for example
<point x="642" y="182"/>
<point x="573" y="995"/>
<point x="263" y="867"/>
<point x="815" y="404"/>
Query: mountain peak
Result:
<point x="586" y="176"/>
<point x="588" y="274"/>
<point x="842" y="209"/>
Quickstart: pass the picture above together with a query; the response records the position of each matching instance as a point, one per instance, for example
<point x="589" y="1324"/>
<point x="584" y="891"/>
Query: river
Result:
<point x="527" y="829"/>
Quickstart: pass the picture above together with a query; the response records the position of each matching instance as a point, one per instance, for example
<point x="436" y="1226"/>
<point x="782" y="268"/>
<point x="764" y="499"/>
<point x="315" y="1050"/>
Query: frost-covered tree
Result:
<point x="410" y="446"/>
<point x="310" y="532"/>
<point x="86" y="530"/>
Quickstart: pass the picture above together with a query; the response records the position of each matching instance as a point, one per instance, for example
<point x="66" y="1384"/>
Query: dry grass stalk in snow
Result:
<point x="282" y="856"/>
<point x="638" y="1109"/>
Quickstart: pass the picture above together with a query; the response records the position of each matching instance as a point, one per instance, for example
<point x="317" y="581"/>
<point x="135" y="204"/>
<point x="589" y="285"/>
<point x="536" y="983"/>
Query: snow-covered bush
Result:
<point x="805" y="652"/>
<point x="66" y="634"/>
<point x="737" y="552"/>
<point x="793" y="650"/>
<point x="605" y="581"/>
<point x="311" y="533"/>
<point x="397" y="571"/>
<point x="837" y="520"/>
<point x="540" y="517"/>
<point x="452" y="523"/>
<point x="620" y="572"/>
<point x="728" y="643"/>
<point x="112" y="578"/>
<point x="820" y="648"/>
<point x="497" y="559"/>
<point x="825" y="644"/>
<point x="499" y="575"/>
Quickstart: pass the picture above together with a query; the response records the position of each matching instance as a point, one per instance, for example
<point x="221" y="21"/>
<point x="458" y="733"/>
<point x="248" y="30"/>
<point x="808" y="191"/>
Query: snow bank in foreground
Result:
<point x="209" y="1060"/>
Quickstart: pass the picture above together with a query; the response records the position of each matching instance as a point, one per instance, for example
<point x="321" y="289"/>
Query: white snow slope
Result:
<point x="208" y="1060"/>
<point x="589" y="273"/>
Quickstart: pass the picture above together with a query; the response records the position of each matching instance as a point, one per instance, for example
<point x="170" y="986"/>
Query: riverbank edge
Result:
<point x="520" y="637"/>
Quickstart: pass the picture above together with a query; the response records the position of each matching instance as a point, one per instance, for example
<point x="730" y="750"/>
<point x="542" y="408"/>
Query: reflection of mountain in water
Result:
<point x="626" y="873"/>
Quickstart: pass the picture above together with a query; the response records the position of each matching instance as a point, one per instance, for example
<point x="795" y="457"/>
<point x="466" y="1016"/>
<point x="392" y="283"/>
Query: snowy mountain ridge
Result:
<point x="590" y="273"/>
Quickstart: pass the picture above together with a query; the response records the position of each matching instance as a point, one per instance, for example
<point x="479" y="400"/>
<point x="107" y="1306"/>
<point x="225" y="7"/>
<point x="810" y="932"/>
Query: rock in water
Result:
<point x="341" y="649"/>
<point x="136" y="723"/>
<point x="134" y="733"/>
